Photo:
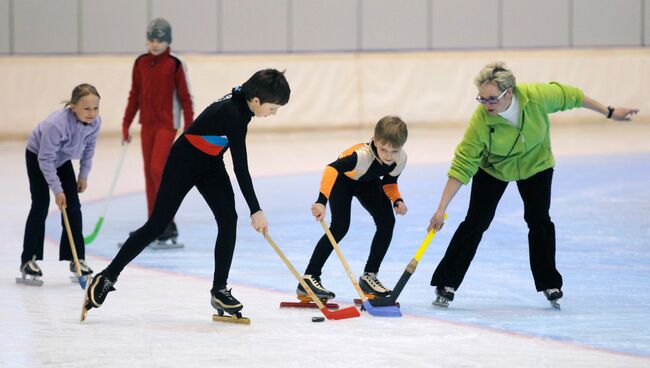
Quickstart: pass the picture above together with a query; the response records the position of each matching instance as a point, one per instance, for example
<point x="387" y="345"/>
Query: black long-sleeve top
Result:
<point x="223" y="125"/>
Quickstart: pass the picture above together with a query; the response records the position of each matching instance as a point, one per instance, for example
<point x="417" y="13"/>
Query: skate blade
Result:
<point x="231" y="319"/>
<point x="158" y="245"/>
<point x="441" y="303"/>
<point x="30" y="282"/>
<point x="309" y="304"/>
<point x="307" y="299"/>
<point x="555" y="304"/>
<point x="358" y="302"/>
<point x="84" y="309"/>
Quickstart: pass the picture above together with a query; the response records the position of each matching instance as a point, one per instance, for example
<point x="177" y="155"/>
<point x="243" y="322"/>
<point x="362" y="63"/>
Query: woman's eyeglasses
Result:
<point x="492" y="100"/>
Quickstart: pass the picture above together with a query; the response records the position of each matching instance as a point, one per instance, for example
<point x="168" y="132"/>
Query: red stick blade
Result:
<point x="349" y="312"/>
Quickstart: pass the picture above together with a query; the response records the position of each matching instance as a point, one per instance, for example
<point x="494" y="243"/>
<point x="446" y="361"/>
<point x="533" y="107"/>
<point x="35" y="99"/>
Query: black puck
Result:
<point x="317" y="319"/>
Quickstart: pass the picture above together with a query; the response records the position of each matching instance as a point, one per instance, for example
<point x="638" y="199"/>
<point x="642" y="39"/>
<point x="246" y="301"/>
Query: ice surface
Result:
<point x="160" y="315"/>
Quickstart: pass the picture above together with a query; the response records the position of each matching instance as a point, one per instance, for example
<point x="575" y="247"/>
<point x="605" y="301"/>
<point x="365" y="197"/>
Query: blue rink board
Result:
<point x="600" y="207"/>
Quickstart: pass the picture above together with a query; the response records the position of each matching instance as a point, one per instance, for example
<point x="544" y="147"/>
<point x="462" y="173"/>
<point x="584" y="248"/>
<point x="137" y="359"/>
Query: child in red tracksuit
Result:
<point x="159" y="89"/>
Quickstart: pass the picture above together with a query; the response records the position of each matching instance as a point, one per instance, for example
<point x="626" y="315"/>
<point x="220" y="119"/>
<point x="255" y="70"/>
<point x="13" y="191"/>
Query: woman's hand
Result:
<point x="623" y="113"/>
<point x="437" y="221"/>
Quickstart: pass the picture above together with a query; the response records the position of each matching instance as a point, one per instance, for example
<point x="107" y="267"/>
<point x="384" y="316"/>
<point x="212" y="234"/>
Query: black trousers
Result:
<point x="486" y="193"/>
<point x="35" y="226"/>
<point x="374" y="200"/>
<point x="187" y="167"/>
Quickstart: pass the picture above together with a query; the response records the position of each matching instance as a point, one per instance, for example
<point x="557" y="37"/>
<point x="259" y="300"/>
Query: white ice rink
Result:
<point x="160" y="315"/>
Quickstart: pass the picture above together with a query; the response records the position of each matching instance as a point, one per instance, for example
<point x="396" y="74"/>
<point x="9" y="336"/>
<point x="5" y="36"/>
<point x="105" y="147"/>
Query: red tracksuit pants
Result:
<point x="156" y="143"/>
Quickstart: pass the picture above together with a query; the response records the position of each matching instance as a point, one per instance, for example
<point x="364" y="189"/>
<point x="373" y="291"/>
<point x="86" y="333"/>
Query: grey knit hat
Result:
<point x="159" y="29"/>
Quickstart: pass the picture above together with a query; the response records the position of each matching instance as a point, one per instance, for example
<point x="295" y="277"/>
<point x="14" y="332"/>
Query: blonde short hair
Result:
<point x="496" y="73"/>
<point x="391" y="130"/>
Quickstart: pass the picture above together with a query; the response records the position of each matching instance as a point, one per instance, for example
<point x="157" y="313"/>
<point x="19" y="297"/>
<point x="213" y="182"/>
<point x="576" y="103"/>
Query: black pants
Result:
<point x="374" y="200"/>
<point x="486" y="193"/>
<point x="35" y="226"/>
<point x="187" y="167"/>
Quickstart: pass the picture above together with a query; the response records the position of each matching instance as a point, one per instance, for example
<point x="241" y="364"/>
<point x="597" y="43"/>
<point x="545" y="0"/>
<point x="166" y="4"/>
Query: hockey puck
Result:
<point x="317" y="319"/>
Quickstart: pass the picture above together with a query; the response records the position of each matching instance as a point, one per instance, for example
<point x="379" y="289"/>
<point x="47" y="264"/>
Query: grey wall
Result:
<point x="242" y="26"/>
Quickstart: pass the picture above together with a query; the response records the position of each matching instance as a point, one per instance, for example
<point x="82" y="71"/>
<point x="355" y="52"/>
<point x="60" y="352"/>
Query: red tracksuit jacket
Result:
<point x="159" y="89"/>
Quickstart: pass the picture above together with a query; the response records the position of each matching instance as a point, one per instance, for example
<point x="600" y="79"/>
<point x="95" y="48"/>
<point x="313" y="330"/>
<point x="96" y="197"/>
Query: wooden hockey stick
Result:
<point x="349" y="312"/>
<point x="384" y="311"/>
<point x="82" y="279"/>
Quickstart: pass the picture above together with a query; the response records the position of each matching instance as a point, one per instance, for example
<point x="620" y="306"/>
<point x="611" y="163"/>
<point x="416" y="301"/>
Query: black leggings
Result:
<point x="35" y="226"/>
<point x="187" y="167"/>
<point x="374" y="200"/>
<point x="486" y="193"/>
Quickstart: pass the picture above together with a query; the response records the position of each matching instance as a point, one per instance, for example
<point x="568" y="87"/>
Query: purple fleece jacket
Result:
<point x="60" y="138"/>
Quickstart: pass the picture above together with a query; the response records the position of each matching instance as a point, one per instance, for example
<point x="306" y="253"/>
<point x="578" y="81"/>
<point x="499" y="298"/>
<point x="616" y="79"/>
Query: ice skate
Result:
<point x="315" y="285"/>
<point x="86" y="271"/>
<point x="553" y="296"/>
<point x="444" y="295"/>
<point x="223" y="301"/>
<point x="372" y="287"/>
<point x="168" y="239"/>
<point x="31" y="273"/>
<point x="96" y="293"/>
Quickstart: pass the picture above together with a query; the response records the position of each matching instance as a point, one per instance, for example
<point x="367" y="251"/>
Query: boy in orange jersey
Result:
<point x="368" y="171"/>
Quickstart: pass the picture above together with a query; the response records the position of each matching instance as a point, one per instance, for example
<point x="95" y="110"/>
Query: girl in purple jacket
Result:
<point x="67" y="134"/>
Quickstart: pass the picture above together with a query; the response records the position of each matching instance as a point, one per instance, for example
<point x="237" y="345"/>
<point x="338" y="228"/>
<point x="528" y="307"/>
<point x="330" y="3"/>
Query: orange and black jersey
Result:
<point x="223" y="125"/>
<point x="361" y="163"/>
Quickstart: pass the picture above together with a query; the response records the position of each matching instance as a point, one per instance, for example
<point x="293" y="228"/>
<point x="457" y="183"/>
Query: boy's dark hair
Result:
<point x="269" y="85"/>
<point x="391" y="130"/>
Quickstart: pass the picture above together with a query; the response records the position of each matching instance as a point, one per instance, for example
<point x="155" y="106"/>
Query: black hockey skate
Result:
<point x="315" y="285"/>
<point x="31" y="273"/>
<point x="223" y="301"/>
<point x="444" y="295"/>
<point x="86" y="271"/>
<point x="96" y="293"/>
<point x="168" y="239"/>
<point x="372" y="287"/>
<point x="553" y="296"/>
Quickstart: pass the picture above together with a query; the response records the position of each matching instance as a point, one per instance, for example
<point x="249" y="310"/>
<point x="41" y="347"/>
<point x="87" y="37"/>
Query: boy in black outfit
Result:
<point x="368" y="171"/>
<point x="196" y="159"/>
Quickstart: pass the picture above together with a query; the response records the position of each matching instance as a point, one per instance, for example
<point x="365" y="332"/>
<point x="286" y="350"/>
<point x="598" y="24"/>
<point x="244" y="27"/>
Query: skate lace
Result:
<point x="316" y="282"/>
<point x="107" y="287"/>
<point x="34" y="266"/>
<point x="226" y="292"/>
<point x="83" y="266"/>
<point x="374" y="282"/>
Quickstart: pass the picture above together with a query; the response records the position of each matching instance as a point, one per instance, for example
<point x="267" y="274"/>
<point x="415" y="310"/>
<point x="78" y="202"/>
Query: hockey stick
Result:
<point x="349" y="312"/>
<point x="77" y="267"/>
<point x="410" y="269"/>
<point x="89" y="239"/>
<point x="384" y="311"/>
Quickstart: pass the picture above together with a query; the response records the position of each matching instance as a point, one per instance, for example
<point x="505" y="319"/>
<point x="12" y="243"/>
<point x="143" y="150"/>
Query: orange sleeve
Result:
<point x="327" y="182"/>
<point x="392" y="191"/>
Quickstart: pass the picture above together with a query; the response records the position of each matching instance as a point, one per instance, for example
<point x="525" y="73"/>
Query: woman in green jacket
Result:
<point x="508" y="139"/>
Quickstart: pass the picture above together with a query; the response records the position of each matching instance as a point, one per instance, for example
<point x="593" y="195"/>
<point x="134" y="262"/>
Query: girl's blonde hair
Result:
<point x="80" y="91"/>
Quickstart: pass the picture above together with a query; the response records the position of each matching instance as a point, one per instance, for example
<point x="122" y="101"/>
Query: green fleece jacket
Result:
<point x="508" y="153"/>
